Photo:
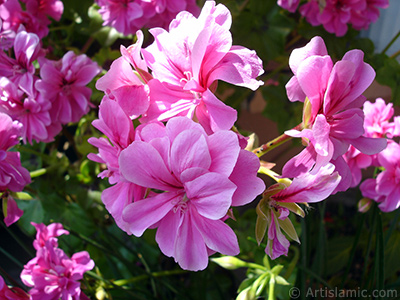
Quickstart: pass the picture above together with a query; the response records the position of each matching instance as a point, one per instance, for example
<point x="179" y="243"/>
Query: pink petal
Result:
<point x="13" y="212"/>
<point x="142" y="214"/>
<point x="217" y="235"/>
<point x="244" y="176"/>
<point x="190" y="249"/>
<point x="211" y="200"/>
<point x="143" y="165"/>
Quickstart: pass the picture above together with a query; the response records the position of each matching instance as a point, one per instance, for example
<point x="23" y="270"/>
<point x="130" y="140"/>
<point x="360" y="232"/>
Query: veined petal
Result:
<point x="143" y="165"/>
<point x="140" y="215"/>
<point x="210" y="199"/>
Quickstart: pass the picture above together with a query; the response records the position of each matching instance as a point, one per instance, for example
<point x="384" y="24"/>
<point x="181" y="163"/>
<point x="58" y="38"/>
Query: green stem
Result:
<point x="271" y="291"/>
<point x="38" y="172"/>
<point x="369" y="246"/>
<point x="395" y="54"/>
<point x="276" y="142"/>
<point x="123" y="282"/>
<point x="391" y="42"/>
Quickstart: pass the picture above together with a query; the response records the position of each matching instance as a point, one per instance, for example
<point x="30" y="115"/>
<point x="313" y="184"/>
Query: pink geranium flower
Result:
<point x="188" y="60"/>
<point x="64" y="83"/>
<point x="45" y="8"/>
<point x="386" y="188"/>
<point x="48" y="233"/>
<point x="14" y="17"/>
<point x="159" y="13"/>
<point x="331" y="118"/>
<point x="361" y="19"/>
<point x="13" y="176"/>
<point x="27" y="107"/>
<point x="120" y="14"/>
<point x="20" y="69"/>
<point x="183" y="164"/>
<point x="52" y="274"/>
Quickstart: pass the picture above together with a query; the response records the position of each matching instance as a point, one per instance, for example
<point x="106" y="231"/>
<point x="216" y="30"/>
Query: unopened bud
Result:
<point x="364" y="205"/>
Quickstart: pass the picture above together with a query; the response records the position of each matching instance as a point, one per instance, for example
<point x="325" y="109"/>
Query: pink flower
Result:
<point x="13" y="293"/>
<point x="130" y="90"/>
<point x="277" y="244"/>
<point x="183" y="162"/>
<point x="290" y="5"/>
<point x="14" y="17"/>
<point x="52" y="274"/>
<point x="332" y="122"/>
<point x="44" y="8"/>
<point x="118" y="128"/>
<point x="386" y="188"/>
<point x="159" y="13"/>
<point x="377" y="116"/>
<point x="21" y="70"/>
<point x="311" y="11"/>
<point x="64" y="83"/>
<point x="356" y="162"/>
<point x="361" y="19"/>
<point x="188" y="60"/>
<point x="12" y="175"/>
<point x="120" y="14"/>
<point x="47" y="233"/>
<point x="29" y="108"/>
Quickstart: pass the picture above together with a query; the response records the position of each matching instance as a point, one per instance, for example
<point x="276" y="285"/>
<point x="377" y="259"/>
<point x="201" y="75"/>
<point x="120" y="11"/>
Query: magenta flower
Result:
<point x="120" y="14"/>
<point x="118" y="128"/>
<point x="159" y="13"/>
<point x="21" y="70"/>
<point x="361" y="19"/>
<point x="185" y="163"/>
<point x="385" y="189"/>
<point x="64" y="83"/>
<point x="332" y="122"/>
<point x="52" y="274"/>
<point x="13" y="293"/>
<point x="45" y="8"/>
<point x="14" y="18"/>
<point x="48" y="233"/>
<point x="123" y="85"/>
<point x="377" y="119"/>
<point x="13" y="176"/>
<point x="188" y="60"/>
<point x="29" y="108"/>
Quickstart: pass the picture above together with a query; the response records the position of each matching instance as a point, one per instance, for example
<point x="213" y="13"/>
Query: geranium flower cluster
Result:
<point x="52" y="274"/>
<point x="336" y="15"/>
<point x="42" y="104"/>
<point x="377" y="124"/>
<point x="181" y="177"/>
<point x="128" y="16"/>
<point x="34" y="19"/>
<point x="332" y="122"/>
<point x="13" y="177"/>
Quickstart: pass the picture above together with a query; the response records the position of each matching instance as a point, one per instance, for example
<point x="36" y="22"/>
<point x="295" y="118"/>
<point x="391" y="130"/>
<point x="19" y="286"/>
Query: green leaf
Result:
<point x="288" y="228"/>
